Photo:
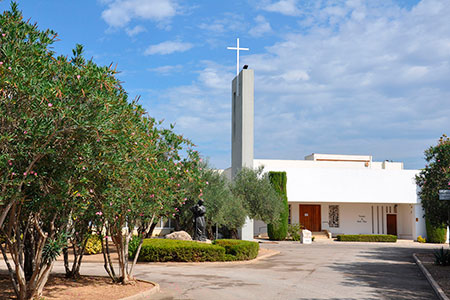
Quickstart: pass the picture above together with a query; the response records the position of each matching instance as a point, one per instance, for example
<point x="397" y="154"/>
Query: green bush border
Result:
<point x="367" y="238"/>
<point x="165" y="250"/>
<point x="436" y="234"/>
<point x="241" y="250"/>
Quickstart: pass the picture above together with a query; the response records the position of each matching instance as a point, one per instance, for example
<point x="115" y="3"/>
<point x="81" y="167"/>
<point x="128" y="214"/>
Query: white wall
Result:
<point x="320" y="183"/>
<point x="359" y="218"/>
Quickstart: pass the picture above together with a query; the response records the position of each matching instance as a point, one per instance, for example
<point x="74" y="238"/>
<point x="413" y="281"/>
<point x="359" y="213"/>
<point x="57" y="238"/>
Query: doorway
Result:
<point x="310" y="217"/>
<point x="391" y="224"/>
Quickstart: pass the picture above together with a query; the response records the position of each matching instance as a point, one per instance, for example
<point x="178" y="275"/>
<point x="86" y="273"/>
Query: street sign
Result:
<point x="444" y="194"/>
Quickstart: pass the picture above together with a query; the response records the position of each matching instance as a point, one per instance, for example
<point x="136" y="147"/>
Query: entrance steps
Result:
<point x="321" y="235"/>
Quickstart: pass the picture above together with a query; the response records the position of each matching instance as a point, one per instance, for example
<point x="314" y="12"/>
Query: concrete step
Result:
<point x="320" y="235"/>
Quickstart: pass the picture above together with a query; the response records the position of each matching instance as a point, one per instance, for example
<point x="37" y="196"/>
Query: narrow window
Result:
<point x="333" y="216"/>
<point x="373" y="229"/>
<point x="378" y="219"/>
<point x="289" y="219"/>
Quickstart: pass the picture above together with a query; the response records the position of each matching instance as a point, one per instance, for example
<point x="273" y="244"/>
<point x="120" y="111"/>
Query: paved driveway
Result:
<point x="323" y="270"/>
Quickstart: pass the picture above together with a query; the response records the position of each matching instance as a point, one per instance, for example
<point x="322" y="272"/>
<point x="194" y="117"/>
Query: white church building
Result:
<point x="341" y="194"/>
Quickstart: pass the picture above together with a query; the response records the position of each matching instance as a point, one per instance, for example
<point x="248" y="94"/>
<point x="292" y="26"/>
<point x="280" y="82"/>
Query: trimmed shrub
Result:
<point x="93" y="245"/>
<point x="163" y="250"/>
<point x="366" y="238"/>
<point x="435" y="234"/>
<point x="278" y="231"/>
<point x="239" y="250"/>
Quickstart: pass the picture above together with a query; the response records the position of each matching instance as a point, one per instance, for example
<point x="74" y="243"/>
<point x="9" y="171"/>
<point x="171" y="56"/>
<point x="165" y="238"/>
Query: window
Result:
<point x="164" y="223"/>
<point x="333" y="216"/>
<point x="289" y="218"/>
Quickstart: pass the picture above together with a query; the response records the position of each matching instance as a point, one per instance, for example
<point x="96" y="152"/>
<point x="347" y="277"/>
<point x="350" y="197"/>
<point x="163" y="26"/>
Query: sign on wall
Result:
<point x="444" y="194"/>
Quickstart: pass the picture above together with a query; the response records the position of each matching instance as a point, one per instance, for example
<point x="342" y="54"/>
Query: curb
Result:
<point x="145" y="294"/>
<point x="436" y="288"/>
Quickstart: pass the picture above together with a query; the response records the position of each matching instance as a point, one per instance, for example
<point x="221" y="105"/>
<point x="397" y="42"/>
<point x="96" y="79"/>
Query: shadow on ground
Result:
<point x="383" y="273"/>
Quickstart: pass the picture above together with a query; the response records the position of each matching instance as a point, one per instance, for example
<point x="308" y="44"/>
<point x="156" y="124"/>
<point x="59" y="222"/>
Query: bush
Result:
<point x="294" y="231"/>
<point x="93" y="245"/>
<point x="163" y="250"/>
<point x="133" y="245"/>
<point x="240" y="250"/>
<point x="420" y="239"/>
<point x="366" y="238"/>
<point x="442" y="257"/>
<point x="435" y="234"/>
<point x="278" y="231"/>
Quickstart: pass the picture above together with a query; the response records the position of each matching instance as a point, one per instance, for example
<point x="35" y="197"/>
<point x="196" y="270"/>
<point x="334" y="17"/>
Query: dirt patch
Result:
<point x="439" y="273"/>
<point x="86" y="288"/>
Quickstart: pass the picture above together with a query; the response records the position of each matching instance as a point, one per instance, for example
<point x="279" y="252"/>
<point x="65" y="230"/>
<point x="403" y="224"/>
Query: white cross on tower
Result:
<point x="237" y="49"/>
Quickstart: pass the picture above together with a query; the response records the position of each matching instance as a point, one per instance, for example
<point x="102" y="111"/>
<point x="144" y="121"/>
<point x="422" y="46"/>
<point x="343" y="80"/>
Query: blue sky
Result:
<point x="345" y="77"/>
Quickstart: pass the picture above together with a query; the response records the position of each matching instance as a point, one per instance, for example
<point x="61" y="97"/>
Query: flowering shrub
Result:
<point x="420" y="239"/>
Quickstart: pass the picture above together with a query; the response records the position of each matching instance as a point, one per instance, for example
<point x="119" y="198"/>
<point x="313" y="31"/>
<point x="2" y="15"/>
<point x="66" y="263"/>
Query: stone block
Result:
<point x="179" y="235"/>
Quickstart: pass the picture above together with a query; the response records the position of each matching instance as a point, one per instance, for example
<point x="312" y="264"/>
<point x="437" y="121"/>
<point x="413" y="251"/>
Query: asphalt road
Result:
<point x="323" y="270"/>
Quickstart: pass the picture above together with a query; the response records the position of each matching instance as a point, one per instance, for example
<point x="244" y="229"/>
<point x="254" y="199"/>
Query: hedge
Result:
<point x="164" y="250"/>
<point x="279" y="231"/>
<point x="367" y="238"/>
<point x="240" y="250"/>
<point x="436" y="234"/>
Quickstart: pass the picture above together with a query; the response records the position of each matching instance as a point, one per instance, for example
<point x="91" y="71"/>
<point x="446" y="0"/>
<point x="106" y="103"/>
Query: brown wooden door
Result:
<point x="310" y="217"/>
<point x="391" y="223"/>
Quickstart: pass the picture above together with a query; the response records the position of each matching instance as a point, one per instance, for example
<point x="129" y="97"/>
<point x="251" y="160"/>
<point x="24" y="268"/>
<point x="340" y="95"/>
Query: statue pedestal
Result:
<point x="246" y="232"/>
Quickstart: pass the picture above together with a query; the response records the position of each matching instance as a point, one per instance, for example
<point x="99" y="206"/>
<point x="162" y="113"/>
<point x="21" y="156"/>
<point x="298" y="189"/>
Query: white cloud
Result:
<point x="168" y="47"/>
<point x="120" y="12"/>
<point x="360" y="78"/>
<point x="229" y="23"/>
<point x="262" y="27"/>
<point x="135" y="30"/>
<point x="285" y="7"/>
<point x="167" y="70"/>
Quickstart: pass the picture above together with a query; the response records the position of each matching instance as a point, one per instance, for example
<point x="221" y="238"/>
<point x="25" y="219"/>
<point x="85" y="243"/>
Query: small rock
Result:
<point x="179" y="235"/>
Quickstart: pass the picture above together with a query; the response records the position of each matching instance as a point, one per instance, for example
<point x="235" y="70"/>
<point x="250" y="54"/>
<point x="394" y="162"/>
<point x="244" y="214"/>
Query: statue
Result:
<point x="199" y="221"/>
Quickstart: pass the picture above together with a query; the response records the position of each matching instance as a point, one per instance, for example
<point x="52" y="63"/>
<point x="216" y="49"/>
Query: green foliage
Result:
<point x="294" y="231"/>
<point x="133" y="246"/>
<point x="240" y="250"/>
<point x="442" y="257"/>
<point x="436" y="234"/>
<point x="163" y="250"/>
<point x="420" y="239"/>
<point x="93" y="244"/>
<point x="434" y="177"/>
<point x="70" y="139"/>
<point x="259" y="198"/>
<point x="53" y="247"/>
<point x="366" y="238"/>
<point x="222" y="209"/>
<point x="278" y="230"/>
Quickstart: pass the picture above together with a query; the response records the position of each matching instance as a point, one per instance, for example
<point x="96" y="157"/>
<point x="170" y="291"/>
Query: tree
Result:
<point x="258" y="196"/>
<point x="222" y="208"/>
<point x="71" y="141"/>
<point x="278" y="230"/>
<point x="51" y="111"/>
<point x="434" y="177"/>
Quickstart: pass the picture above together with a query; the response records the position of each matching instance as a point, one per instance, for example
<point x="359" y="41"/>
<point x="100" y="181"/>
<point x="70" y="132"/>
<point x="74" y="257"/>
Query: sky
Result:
<point x="337" y="77"/>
